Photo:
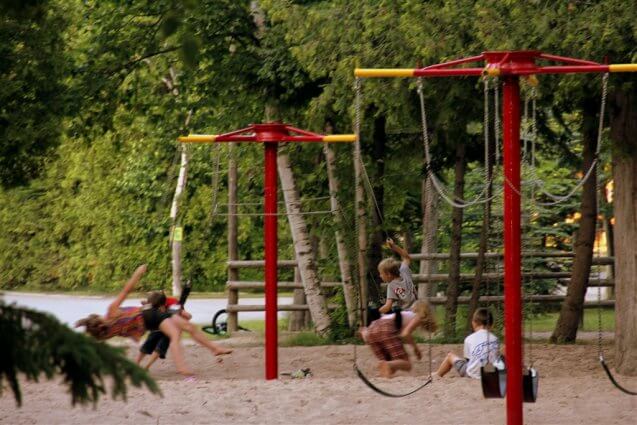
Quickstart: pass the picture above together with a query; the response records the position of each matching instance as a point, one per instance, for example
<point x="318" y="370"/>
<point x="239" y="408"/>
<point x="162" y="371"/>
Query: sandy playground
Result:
<point x="572" y="390"/>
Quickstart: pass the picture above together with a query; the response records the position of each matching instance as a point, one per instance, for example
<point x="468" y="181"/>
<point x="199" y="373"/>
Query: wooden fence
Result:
<point x="234" y="286"/>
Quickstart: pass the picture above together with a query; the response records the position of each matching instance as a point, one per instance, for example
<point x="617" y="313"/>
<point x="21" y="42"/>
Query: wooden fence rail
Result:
<point x="234" y="286"/>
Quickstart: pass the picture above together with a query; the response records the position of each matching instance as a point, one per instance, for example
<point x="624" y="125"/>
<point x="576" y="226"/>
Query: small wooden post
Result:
<point x="233" y="249"/>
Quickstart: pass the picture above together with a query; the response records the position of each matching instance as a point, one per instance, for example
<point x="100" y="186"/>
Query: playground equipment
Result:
<point x="508" y="66"/>
<point x="270" y="134"/>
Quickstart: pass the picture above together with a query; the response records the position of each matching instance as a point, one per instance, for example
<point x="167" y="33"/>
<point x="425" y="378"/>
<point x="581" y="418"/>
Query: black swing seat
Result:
<point x="494" y="378"/>
<point x="494" y="381"/>
<point x="530" y="380"/>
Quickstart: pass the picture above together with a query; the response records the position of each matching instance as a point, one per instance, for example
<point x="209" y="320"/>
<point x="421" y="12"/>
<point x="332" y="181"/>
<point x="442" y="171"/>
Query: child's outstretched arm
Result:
<point x="404" y="255"/>
<point x="132" y="281"/>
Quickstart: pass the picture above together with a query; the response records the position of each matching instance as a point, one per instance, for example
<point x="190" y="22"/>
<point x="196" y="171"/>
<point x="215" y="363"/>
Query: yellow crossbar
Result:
<point x="339" y="138"/>
<point x="623" y="67"/>
<point x="197" y="138"/>
<point x="370" y="73"/>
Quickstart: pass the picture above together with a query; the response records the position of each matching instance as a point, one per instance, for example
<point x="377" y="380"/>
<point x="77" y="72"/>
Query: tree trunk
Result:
<point x="175" y="248"/>
<point x="233" y="228"/>
<point x="361" y="227"/>
<point x="345" y="266"/>
<point x="429" y="200"/>
<point x="303" y="247"/>
<point x="176" y="230"/>
<point x="573" y="305"/>
<point x="297" y="318"/>
<point x="375" y="252"/>
<point x="624" y="135"/>
<point x="453" y="287"/>
<point x="482" y="250"/>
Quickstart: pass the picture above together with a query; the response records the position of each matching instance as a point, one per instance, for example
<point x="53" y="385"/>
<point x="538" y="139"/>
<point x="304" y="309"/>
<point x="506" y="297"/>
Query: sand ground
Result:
<point x="572" y="390"/>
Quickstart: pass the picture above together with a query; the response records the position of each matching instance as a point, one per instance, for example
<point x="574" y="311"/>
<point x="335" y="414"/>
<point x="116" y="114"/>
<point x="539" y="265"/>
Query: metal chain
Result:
<point x="557" y="199"/>
<point x="485" y="124"/>
<point x="602" y="111"/>
<point x="497" y="130"/>
<point x="357" y="151"/>
<point x="438" y="185"/>
<point x="215" y="182"/>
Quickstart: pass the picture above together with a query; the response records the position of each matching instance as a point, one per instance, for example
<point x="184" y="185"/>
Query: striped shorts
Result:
<point x="385" y="342"/>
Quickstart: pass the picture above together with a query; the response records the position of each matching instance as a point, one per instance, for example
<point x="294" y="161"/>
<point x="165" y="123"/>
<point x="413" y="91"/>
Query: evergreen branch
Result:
<point x="36" y="344"/>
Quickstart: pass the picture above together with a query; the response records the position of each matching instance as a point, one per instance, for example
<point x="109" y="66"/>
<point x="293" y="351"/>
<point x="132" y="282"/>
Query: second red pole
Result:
<point x="271" y="246"/>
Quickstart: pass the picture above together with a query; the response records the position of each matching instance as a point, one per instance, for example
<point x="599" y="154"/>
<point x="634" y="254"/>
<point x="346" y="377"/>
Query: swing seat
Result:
<point x="494" y="381"/>
<point x="529" y="385"/>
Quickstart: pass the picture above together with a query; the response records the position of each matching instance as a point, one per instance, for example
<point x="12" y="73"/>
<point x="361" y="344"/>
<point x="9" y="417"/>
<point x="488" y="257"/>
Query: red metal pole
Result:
<point x="270" y="237"/>
<point x="512" y="278"/>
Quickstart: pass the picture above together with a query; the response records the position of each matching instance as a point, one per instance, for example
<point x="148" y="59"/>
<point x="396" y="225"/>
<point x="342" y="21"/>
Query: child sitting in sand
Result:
<point x="133" y="322"/>
<point x="385" y="337"/>
<point x="480" y="348"/>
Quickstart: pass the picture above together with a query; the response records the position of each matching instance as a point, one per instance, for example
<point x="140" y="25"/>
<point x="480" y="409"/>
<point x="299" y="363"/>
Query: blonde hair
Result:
<point x="426" y="314"/>
<point x="389" y="266"/>
<point x="96" y="326"/>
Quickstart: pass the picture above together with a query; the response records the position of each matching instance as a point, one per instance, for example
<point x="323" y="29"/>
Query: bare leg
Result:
<point x="172" y="331"/>
<point x="363" y="332"/>
<point x="198" y="335"/>
<point x="398" y="364"/>
<point x="447" y="364"/>
<point x="153" y="359"/>
<point x="140" y="357"/>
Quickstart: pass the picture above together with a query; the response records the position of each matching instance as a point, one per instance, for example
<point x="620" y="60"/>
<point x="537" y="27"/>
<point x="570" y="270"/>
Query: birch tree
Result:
<point x="303" y="247"/>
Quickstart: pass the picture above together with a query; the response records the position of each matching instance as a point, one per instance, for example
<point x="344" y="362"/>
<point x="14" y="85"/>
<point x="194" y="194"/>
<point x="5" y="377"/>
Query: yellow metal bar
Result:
<point x="623" y="67"/>
<point x="198" y="138"/>
<point x="492" y="71"/>
<point x="340" y="138"/>
<point x="371" y="73"/>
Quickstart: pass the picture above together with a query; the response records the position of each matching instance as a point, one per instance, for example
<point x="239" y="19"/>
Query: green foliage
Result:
<point x="88" y="129"/>
<point x="36" y="344"/>
<point x="32" y="87"/>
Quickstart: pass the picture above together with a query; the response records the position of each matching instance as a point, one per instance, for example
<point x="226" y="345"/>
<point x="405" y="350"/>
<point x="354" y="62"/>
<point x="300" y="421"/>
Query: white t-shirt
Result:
<point x="481" y="347"/>
<point x="402" y="290"/>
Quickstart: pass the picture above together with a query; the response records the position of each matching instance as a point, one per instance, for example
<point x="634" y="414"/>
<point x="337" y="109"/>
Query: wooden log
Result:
<point x="284" y="307"/>
<point x="532" y="298"/>
<point x="529" y="254"/>
<point x="245" y="284"/>
<point x="592" y="283"/>
<point x="259" y="263"/>
<point x="465" y="277"/>
<point x="433" y="256"/>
